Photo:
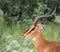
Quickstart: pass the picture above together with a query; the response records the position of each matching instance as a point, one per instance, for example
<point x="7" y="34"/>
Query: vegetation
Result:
<point x="16" y="16"/>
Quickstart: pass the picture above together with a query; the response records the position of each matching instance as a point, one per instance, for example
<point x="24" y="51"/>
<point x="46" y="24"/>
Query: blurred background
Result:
<point x="16" y="16"/>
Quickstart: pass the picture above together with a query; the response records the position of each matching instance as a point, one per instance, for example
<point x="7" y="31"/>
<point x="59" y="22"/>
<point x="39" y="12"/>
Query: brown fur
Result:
<point x="40" y="43"/>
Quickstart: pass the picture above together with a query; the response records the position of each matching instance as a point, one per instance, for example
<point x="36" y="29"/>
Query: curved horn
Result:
<point x="43" y="16"/>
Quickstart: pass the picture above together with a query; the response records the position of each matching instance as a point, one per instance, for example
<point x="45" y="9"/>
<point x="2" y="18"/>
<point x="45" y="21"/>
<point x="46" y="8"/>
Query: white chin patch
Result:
<point x="34" y="39"/>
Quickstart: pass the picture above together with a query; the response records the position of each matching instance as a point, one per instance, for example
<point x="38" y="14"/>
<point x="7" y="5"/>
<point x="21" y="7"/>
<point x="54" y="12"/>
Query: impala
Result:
<point x="40" y="43"/>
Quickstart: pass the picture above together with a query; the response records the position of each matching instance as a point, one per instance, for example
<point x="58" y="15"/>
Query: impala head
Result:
<point x="32" y="32"/>
<point x="36" y="28"/>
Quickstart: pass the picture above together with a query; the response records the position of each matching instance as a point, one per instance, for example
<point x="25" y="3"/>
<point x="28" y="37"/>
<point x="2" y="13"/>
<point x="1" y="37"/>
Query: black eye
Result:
<point x="32" y="29"/>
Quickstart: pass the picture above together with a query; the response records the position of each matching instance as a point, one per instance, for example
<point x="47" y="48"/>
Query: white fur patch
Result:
<point x="34" y="39"/>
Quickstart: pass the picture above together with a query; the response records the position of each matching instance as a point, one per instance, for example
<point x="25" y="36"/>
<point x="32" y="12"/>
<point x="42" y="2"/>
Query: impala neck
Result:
<point x="39" y="39"/>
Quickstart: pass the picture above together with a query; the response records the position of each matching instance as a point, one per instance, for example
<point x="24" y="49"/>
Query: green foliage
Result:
<point x="11" y="37"/>
<point x="19" y="10"/>
<point x="16" y="16"/>
<point x="40" y="10"/>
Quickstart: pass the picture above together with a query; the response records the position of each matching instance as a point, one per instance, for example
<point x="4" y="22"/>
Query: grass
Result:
<point x="11" y="38"/>
<point x="52" y="31"/>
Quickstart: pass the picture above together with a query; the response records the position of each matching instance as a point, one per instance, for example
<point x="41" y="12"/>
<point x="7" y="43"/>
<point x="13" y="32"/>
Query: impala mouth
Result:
<point x="23" y="36"/>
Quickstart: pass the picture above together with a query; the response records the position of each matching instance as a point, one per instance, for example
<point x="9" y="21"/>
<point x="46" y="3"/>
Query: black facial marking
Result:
<point x="32" y="29"/>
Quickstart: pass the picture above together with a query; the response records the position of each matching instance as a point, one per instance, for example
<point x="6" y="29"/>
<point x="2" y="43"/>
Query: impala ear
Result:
<point x="43" y="25"/>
